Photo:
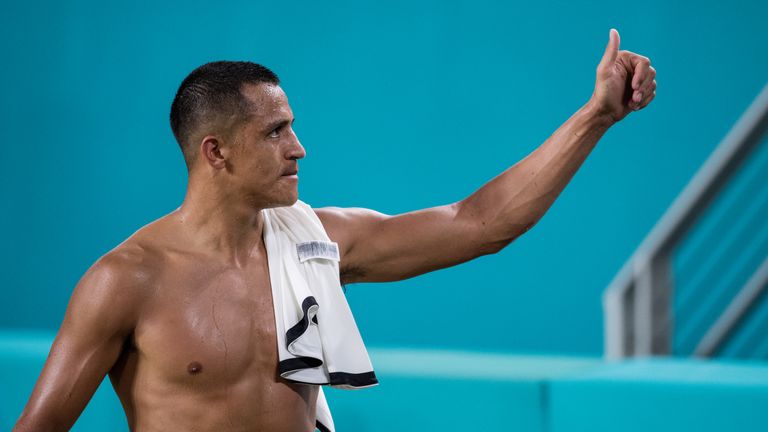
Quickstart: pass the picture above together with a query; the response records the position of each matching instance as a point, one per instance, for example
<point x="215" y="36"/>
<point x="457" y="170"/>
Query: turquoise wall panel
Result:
<point x="400" y="105"/>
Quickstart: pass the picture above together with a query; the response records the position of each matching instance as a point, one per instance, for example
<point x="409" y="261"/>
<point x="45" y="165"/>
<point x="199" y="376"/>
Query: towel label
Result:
<point x="318" y="249"/>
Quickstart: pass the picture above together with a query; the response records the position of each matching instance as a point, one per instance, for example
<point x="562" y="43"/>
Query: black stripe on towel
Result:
<point x="354" y="380"/>
<point x="360" y="380"/>
<point x="292" y="364"/>
<point x="300" y="327"/>
<point x="321" y="427"/>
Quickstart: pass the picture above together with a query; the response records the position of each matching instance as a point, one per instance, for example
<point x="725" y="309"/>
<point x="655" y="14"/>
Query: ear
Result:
<point x="213" y="152"/>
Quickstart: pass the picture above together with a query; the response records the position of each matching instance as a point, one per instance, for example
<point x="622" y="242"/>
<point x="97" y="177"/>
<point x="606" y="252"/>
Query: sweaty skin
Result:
<point x="202" y="354"/>
<point x="180" y="317"/>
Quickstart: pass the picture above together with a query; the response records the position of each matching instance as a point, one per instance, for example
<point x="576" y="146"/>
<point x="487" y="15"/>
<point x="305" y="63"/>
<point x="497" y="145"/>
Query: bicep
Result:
<point x="72" y="373"/>
<point x="380" y="248"/>
<point x="88" y="343"/>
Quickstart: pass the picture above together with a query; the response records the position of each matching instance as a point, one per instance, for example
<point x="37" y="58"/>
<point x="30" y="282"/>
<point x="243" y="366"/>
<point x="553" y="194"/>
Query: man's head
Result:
<point x="234" y="118"/>
<point x="210" y="99"/>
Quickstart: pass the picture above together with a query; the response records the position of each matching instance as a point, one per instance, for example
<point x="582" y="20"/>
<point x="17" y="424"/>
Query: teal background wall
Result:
<point x="400" y="105"/>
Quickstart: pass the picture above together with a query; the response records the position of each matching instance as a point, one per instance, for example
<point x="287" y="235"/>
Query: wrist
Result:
<point x="598" y="115"/>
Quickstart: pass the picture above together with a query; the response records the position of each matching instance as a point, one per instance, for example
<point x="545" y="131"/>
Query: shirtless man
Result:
<point x="180" y="314"/>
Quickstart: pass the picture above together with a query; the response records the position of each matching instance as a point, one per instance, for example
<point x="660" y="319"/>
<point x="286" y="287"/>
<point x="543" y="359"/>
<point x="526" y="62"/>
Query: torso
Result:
<point x="203" y="354"/>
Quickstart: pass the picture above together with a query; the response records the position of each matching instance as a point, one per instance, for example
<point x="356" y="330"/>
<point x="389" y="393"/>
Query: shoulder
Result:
<point x="349" y="227"/>
<point x="129" y="263"/>
<point x="139" y="259"/>
<point x="345" y="225"/>
<point x="346" y="218"/>
<point x="116" y="285"/>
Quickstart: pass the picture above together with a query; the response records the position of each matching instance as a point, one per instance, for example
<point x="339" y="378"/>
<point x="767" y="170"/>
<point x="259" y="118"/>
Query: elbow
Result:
<point x="491" y="248"/>
<point x="496" y="243"/>
<point x="491" y="234"/>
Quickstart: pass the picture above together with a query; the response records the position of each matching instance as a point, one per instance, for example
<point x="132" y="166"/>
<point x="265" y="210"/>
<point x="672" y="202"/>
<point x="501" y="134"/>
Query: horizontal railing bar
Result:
<point x="734" y="313"/>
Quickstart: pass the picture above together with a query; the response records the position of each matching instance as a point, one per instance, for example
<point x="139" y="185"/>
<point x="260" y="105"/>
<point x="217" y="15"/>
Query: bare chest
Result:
<point x="209" y="326"/>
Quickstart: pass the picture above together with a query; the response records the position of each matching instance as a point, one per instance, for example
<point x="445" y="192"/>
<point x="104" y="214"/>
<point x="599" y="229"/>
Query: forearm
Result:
<point x="512" y="202"/>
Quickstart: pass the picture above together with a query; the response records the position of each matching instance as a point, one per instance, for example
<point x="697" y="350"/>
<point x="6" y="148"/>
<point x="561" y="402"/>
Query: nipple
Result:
<point x="194" y="368"/>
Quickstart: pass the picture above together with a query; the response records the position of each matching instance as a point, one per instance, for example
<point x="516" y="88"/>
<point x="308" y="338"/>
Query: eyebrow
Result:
<point x="277" y="123"/>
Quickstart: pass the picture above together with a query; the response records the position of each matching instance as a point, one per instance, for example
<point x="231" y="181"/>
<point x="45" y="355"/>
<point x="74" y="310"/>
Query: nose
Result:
<point x="295" y="150"/>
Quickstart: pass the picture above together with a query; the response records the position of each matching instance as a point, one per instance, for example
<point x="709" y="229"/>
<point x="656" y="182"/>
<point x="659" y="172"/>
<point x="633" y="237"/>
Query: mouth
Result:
<point x="290" y="173"/>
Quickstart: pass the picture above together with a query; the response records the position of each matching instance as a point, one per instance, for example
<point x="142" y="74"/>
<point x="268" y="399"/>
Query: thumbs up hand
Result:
<point x="625" y="81"/>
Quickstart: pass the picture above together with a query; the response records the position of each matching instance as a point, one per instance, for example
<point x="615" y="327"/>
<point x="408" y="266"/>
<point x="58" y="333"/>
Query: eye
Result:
<point x="275" y="133"/>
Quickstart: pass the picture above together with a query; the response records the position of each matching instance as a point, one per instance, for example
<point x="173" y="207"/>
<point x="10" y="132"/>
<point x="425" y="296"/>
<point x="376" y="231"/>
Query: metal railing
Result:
<point x="639" y="320"/>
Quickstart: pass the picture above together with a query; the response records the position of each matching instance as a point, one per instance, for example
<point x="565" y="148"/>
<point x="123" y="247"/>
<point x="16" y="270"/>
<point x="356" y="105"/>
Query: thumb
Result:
<point x="611" y="50"/>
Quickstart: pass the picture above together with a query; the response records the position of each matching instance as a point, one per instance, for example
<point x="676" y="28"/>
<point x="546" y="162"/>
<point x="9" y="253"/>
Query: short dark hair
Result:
<point x="212" y="92"/>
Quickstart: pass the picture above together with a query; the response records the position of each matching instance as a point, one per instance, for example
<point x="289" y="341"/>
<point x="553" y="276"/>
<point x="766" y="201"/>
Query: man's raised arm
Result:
<point x="99" y="318"/>
<point x="377" y="247"/>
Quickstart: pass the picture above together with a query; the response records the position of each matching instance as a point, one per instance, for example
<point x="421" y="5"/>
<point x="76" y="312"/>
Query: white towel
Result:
<point x="317" y="339"/>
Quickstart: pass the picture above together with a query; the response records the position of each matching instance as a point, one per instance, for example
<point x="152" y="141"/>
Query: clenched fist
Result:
<point x="625" y="81"/>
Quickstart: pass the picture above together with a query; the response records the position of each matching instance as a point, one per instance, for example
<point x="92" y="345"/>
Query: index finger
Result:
<point x="640" y="66"/>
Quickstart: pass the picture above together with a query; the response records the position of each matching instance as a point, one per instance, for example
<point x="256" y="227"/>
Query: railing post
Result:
<point x="619" y="331"/>
<point x="653" y="294"/>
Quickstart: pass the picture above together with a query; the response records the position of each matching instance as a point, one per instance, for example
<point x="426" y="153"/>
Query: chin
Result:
<point x="293" y="200"/>
<point x="286" y="201"/>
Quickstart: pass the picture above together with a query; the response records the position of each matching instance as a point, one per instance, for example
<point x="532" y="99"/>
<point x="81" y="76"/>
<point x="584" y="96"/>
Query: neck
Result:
<point x="221" y="225"/>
